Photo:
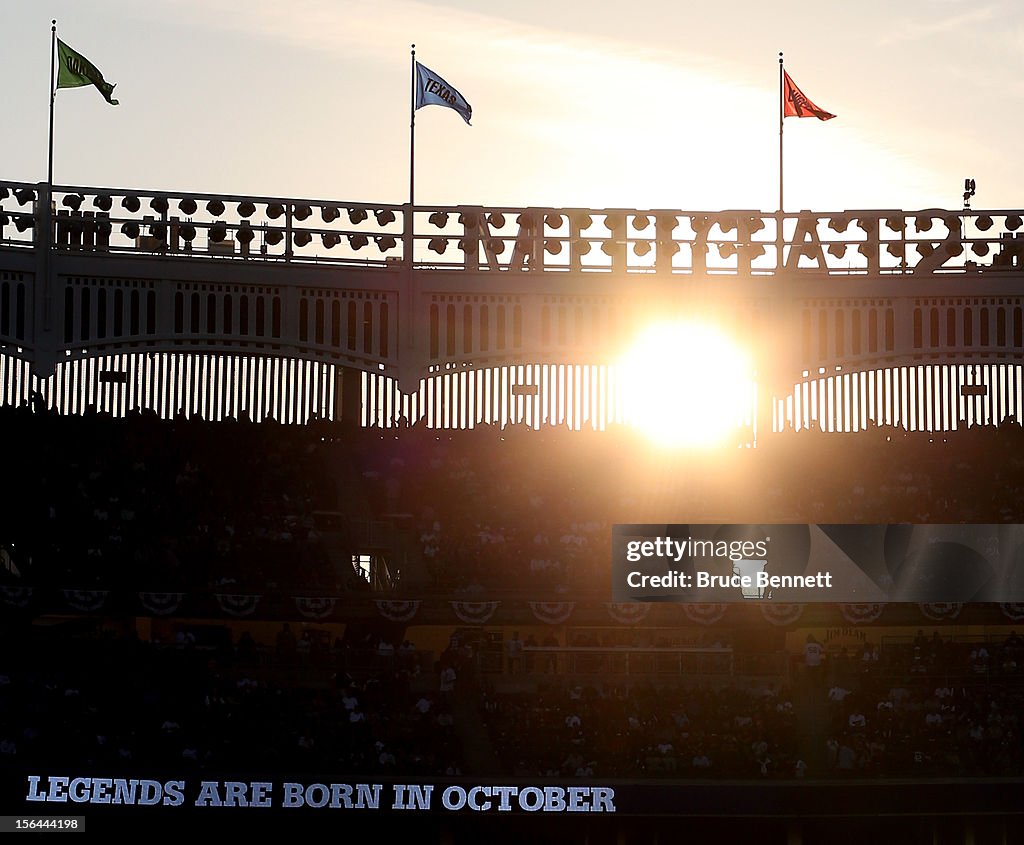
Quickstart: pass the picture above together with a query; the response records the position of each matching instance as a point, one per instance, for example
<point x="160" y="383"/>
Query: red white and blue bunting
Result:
<point x="941" y="611"/>
<point x="397" y="611"/>
<point x="1012" y="611"/>
<point x="552" y="612"/>
<point x="628" y="613"/>
<point x="861" y="614"/>
<point x="16" y="596"/>
<point x="166" y="604"/>
<point x="475" y="612"/>
<point x="781" y="614"/>
<point x="236" y="604"/>
<point x="314" y="608"/>
<point x="161" y="604"/>
<point x="86" y="601"/>
<point x="704" y="613"/>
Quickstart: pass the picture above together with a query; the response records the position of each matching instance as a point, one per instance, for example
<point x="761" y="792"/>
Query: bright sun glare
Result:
<point x="686" y="385"/>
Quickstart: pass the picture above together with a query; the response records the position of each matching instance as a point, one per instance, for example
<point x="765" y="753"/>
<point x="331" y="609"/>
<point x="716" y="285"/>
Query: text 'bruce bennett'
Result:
<point x="706" y="580"/>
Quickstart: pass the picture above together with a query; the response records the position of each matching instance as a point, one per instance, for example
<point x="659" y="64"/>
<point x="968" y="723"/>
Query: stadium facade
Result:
<point x="368" y="617"/>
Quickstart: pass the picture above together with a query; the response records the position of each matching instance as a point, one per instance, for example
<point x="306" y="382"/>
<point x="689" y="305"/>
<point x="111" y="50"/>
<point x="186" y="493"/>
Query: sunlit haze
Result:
<point x="686" y="385"/>
<point x="652" y="105"/>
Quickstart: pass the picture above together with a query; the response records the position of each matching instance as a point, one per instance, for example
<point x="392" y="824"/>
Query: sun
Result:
<point x="686" y="385"/>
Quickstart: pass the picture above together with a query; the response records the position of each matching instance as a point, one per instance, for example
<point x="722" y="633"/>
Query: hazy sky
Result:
<point x="646" y="104"/>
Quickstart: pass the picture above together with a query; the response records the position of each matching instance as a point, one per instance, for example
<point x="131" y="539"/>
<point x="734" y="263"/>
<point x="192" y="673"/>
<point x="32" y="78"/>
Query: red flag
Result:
<point x="796" y="103"/>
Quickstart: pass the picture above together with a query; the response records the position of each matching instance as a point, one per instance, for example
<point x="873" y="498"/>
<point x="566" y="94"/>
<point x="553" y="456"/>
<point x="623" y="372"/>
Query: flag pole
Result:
<point x="408" y="377"/>
<point x="47" y="209"/>
<point x="410" y="216"/>
<point x="782" y="111"/>
<point x="412" y="128"/>
<point x="53" y="92"/>
<point x="779" y="242"/>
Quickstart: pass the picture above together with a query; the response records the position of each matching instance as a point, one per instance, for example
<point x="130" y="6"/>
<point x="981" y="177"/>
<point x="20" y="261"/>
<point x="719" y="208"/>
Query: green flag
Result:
<point x="75" y="70"/>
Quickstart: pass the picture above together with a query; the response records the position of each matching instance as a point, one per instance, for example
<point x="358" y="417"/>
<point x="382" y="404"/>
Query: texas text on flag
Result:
<point x="798" y="105"/>
<point x="432" y="90"/>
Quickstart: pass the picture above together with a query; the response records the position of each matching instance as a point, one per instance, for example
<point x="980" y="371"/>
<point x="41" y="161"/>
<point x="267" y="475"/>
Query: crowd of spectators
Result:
<point x="145" y="503"/>
<point x="169" y="504"/>
<point x="526" y="508"/>
<point x="89" y="701"/>
<point x="373" y="706"/>
<point x="930" y="707"/>
<point x="644" y="731"/>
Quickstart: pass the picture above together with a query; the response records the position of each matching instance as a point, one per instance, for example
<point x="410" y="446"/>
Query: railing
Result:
<point x="380" y="236"/>
<point x="119" y="220"/>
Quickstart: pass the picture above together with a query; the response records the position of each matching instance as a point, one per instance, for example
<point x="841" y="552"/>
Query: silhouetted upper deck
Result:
<point x="379" y="236"/>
